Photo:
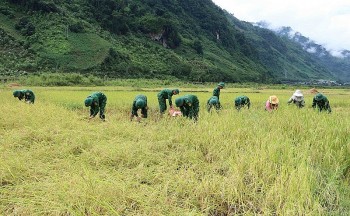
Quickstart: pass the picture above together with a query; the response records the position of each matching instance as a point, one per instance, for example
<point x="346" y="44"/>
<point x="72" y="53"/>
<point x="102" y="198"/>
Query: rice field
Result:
<point x="54" y="161"/>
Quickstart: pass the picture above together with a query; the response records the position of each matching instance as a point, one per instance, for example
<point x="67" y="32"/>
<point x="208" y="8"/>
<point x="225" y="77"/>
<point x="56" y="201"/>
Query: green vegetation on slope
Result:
<point x="191" y="40"/>
<point x="283" y="57"/>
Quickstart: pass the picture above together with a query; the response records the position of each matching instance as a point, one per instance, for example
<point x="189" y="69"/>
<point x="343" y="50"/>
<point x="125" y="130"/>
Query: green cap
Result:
<point x="319" y="96"/>
<point x="140" y="103"/>
<point x="179" y="102"/>
<point x="238" y="101"/>
<point x="222" y="84"/>
<point x="88" y="101"/>
<point x="176" y="91"/>
<point x="16" y="93"/>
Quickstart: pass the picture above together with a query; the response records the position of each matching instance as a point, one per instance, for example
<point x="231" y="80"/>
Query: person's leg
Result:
<point x="103" y="103"/>
<point x="162" y="105"/>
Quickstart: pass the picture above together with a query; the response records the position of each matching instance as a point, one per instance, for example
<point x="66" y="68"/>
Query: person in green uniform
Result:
<point x="166" y="94"/>
<point x="242" y="101"/>
<point x="189" y="106"/>
<point x="97" y="103"/>
<point x="213" y="102"/>
<point x="321" y="102"/>
<point x="140" y="102"/>
<point x="26" y="94"/>
<point x="216" y="91"/>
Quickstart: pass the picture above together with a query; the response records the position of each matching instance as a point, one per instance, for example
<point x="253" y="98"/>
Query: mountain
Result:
<point x="190" y="40"/>
<point x="338" y="63"/>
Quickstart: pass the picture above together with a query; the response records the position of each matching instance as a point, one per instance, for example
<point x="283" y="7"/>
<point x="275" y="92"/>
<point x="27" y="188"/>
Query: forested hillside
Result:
<point x="339" y="65"/>
<point x="190" y="40"/>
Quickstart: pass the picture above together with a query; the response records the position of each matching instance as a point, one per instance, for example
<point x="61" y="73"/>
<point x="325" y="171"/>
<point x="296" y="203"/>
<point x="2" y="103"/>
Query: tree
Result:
<point x="197" y="45"/>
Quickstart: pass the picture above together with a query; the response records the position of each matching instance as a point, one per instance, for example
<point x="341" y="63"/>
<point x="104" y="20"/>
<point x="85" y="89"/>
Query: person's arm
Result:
<point x="92" y="112"/>
<point x="29" y="97"/>
<point x="94" y="109"/>
<point x="183" y="110"/>
<point x="314" y="103"/>
<point x="194" y="109"/>
<point x="290" y="100"/>
<point x="328" y="107"/>
<point x="144" y="112"/>
<point x="267" y="106"/>
<point x="169" y="98"/>
<point x="248" y="104"/>
<point x="219" y="104"/>
<point x="208" y="107"/>
<point x="134" y="110"/>
<point x="191" y="112"/>
<point x="26" y="96"/>
<point x="21" y="96"/>
<point x="32" y="99"/>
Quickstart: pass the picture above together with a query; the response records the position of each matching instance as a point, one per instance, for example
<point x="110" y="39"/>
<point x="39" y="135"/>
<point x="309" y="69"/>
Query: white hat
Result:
<point x="298" y="93"/>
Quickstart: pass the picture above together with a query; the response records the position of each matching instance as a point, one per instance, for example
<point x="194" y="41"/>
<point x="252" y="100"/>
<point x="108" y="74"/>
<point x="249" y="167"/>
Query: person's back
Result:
<point x="140" y="102"/>
<point x="241" y="101"/>
<point x="98" y="95"/>
<point x="192" y="100"/>
<point x="97" y="103"/>
<point x="321" y="102"/>
<point x="165" y="93"/>
<point x="213" y="102"/>
<point x="297" y="98"/>
<point x="189" y="106"/>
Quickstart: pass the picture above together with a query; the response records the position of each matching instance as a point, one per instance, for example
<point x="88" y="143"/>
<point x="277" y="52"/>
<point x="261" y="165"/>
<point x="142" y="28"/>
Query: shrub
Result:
<point x="197" y="45"/>
<point x="59" y="79"/>
<point x="77" y="27"/>
<point x="25" y="27"/>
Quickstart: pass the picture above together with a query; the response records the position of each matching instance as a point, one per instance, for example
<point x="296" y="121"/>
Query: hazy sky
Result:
<point x="327" y="22"/>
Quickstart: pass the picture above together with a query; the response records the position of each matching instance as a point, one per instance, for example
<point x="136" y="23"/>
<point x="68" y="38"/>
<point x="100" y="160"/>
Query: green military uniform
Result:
<point x="97" y="102"/>
<point x="321" y="102"/>
<point x="213" y="102"/>
<point x="26" y="94"/>
<point x="216" y="91"/>
<point x="163" y="95"/>
<point x="241" y="101"/>
<point x="189" y="106"/>
<point x="140" y="102"/>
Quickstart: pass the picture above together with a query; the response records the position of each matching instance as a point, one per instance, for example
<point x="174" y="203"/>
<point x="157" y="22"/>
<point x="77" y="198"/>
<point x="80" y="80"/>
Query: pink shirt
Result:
<point x="268" y="106"/>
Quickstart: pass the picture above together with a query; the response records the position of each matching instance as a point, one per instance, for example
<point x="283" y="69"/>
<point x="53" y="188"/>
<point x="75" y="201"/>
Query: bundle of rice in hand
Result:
<point x="174" y="113"/>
